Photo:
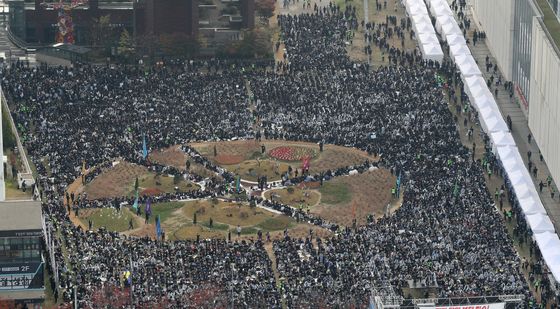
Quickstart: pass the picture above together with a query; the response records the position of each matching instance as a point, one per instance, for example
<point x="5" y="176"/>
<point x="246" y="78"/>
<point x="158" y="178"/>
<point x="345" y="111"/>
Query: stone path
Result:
<point x="520" y="129"/>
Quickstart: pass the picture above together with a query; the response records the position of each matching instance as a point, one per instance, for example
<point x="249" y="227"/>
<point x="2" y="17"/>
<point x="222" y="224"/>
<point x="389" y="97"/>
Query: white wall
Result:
<point x="544" y="109"/>
<point x="495" y="17"/>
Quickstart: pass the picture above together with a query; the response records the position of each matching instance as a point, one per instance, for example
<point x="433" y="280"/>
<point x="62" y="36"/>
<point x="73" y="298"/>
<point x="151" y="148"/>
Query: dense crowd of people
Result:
<point x="447" y="235"/>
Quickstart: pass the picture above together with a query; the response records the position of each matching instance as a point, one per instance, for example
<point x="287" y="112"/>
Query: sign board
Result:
<point x="17" y="277"/>
<point x="478" y="306"/>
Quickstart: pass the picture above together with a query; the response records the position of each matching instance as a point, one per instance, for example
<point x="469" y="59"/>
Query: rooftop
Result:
<point x="550" y="21"/>
<point x="19" y="216"/>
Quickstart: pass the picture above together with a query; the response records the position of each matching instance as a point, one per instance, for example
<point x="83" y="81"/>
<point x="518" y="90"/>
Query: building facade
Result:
<point x="21" y="261"/>
<point x="533" y="65"/>
<point x="38" y="21"/>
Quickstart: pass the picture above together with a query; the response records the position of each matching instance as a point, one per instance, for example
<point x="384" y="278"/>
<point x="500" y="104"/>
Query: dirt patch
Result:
<point x="225" y="159"/>
<point x="370" y="194"/>
<point x="115" y="181"/>
<point x="172" y="156"/>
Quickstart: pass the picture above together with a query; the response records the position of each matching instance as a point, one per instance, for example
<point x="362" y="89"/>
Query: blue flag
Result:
<point x="144" y="147"/>
<point x="158" y="228"/>
<point x="149" y="206"/>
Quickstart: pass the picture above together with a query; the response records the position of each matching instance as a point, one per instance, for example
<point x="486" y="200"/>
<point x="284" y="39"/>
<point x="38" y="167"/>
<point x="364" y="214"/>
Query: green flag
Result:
<point x="456" y="188"/>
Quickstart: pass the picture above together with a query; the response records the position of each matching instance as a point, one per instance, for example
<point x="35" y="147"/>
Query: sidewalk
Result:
<point x="520" y="129"/>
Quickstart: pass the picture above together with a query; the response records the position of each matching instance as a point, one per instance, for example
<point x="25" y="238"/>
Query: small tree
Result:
<point x="176" y="178"/>
<point x="265" y="8"/>
<point x="126" y="45"/>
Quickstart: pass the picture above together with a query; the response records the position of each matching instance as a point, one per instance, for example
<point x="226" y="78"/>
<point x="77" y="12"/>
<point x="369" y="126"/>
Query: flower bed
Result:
<point x="291" y="153"/>
<point x="224" y="159"/>
<point x="151" y="192"/>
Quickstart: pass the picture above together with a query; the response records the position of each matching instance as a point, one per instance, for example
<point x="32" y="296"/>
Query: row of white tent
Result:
<point x="425" y="32"/>
<point x="503" y="144"/>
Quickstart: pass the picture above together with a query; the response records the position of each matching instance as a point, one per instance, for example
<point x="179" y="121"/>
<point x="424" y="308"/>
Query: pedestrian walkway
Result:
<point x="520" y="128"/>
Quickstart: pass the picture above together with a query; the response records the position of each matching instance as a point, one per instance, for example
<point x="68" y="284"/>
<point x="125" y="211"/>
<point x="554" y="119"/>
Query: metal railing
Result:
<point x="27" y="173"/>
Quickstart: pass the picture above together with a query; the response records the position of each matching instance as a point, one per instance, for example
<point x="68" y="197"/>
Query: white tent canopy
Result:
<point x="547" y="241"/>
<point x="482" y="92"/>
<point x="440" y="9"/>
<point x="549" y="244"/>
<point x="444" y="20"/>
<point x="532" y="205"/>
<point x="482" y="100"/>
<point x="454" y="39"/>
<point x="414" y="7"/>
<point x="423" y="28"/>
<point x="432" y="52"/>
<point x="540" y="223"/>
<point x="506" y="152"/>
<point x="468" y="67"/>
<point x="421" y="19"/>
<point x="516" y="175"/>
<point x="449" y="29"/>
<point x="494" y="123"/>
<point x="474" y="82"/>
<point x="430" y="3"/>
<point x="501" y="138"/>
<point x="427" y="38"/>
<point x="458" y="49"/>
<point x="524" y="190"/>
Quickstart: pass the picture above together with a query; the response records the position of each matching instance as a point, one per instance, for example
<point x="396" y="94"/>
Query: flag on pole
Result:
<point x="149" y="206"/>
<point x="144" y="147"/>
<point x="456" y="188"/>
<point x="135" y="205"/>
<point x="399" y="183"/>
<point x="306" y="163"/>
<point x="158" y="228"/>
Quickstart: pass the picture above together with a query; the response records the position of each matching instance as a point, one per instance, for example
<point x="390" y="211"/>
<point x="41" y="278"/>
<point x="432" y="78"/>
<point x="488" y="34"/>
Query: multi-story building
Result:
<point x="525" y="41"/>
<point x="38" y="21"/>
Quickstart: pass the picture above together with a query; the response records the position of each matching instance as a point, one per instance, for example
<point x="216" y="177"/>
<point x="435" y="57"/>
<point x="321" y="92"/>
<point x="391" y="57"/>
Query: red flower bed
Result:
<point x="291" y="153"/>
<point x="151" y="192"/>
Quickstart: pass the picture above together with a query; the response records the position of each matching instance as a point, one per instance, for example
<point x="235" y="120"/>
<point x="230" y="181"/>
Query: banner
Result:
<point x="479" y="306"/>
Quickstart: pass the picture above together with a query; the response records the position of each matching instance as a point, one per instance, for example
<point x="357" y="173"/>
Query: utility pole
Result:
<point x="131" y="282"/>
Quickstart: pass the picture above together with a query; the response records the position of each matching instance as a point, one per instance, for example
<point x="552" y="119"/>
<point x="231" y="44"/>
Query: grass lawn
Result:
<point x="225" y="217"/>
<point x="296" y="198"/>
<point x="252" y="169"/>
<point x="190" y="232"/>
<point x="164" y="210"/>
<point x="276" y="224"/>
<point x="227" y="213"/>
<point x="13" y="193"/>
<point x="334" y="192"/>
<point x="162" y="183"/>
<point x="110" y="218"/>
